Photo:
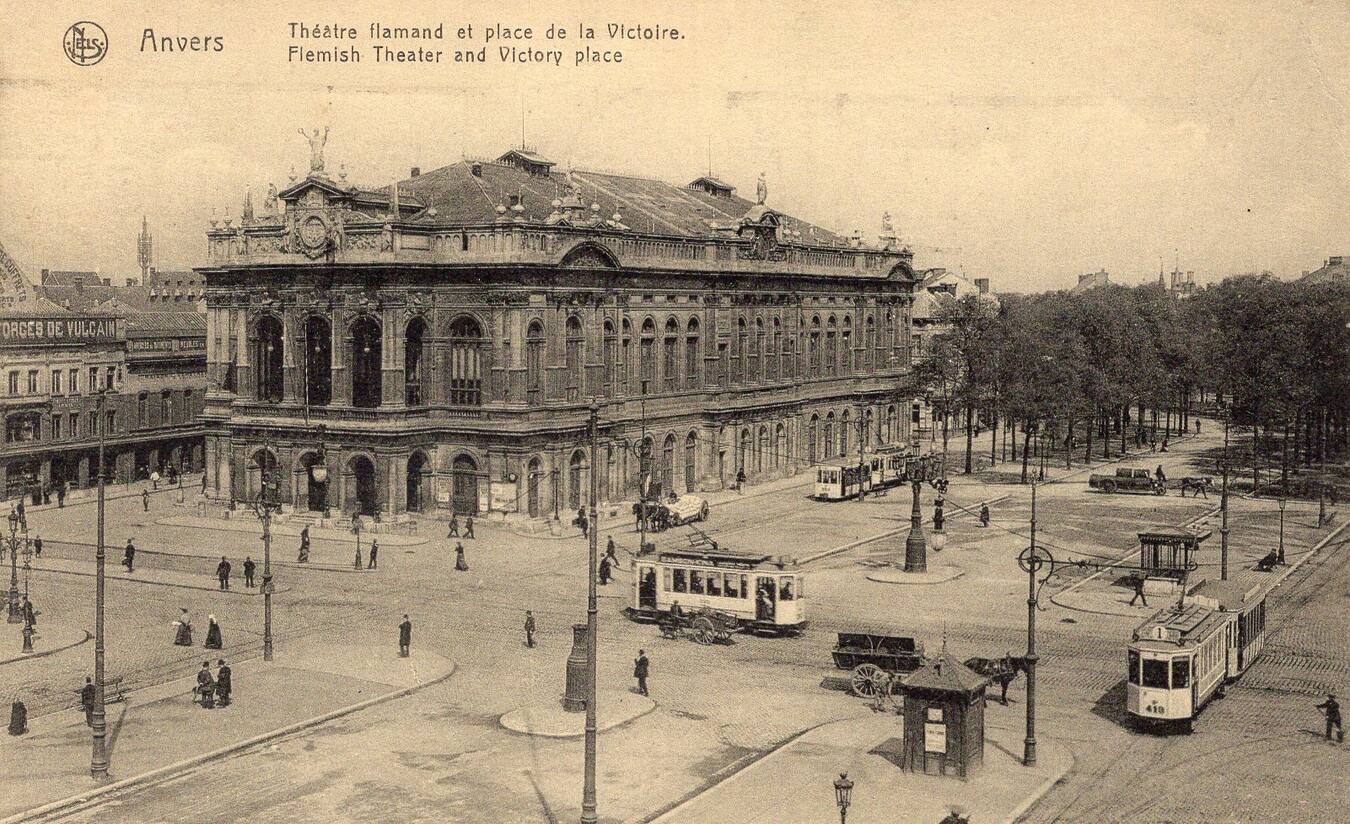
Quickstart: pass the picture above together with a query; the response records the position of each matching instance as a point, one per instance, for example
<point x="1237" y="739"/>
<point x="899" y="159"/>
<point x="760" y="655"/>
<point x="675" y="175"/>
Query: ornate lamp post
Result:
<point x="319" y="470"/>
<point x="588" y="813"/>
<point x="1032" y="560"/>
<point x="1282" y="503"/>
<point x="15" y="614"/>
<point x="843" y="796"/>
<point x="98" y="762"/>
<point x="265" y="505"/>
<point x="916" y="549"/>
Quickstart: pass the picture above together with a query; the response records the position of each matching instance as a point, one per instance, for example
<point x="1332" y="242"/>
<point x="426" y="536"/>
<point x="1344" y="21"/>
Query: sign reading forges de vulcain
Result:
<point x="57" y="330"/>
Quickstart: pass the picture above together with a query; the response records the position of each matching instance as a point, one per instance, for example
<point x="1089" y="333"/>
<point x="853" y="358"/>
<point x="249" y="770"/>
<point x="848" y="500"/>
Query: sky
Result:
<point x="1027" y="142"/>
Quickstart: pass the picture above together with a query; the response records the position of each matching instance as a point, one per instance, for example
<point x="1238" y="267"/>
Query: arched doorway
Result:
<point x="690" y="461"/>
<point x="262" y="468"/>
<point x="779" y="447"/>
<point x="763" y="449"/>
<point x="318" y="361"/>
<point x="668" y="465"/>
<point x="364" y="497"/>
<point x="574" y="496"/>
<point x="829" y="435"/>
<point x="532" y="487"/>
<point x="743" y="452"/>
<point x="316" y="483"/>
<point x="464" y="486"/>
<point x="366" y="353"/>
<point x="414" y="394"/>
<point x="811" y="434"/>
<point x="268" y="359"/>
<point x="416" y="482"/>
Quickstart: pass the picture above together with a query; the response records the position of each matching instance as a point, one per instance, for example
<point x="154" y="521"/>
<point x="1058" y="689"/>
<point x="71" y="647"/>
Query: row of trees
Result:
<point x="1117" y="363"/>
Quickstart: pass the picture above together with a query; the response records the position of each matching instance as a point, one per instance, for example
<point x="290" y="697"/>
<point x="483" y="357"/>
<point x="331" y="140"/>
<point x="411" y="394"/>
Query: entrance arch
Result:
<point x="532" y="487"/>
<point x="268" y="355"/>
<point x="690" y="461"/>
<point x="464" y="489"/>
<point x="416" y="482"/>
<point x="316" y="492"/>
<point x="574" y="496"/>
<point x="262" y="466"/>
<point x="363" y="497"/>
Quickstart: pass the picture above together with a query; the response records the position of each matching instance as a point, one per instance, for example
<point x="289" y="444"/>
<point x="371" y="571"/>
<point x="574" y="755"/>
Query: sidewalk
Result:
<point x="794" y="782"/>
<point x="251" y="525"/>
<point x="147" y="575"/>
<point x="50" y="635"/>
<point x="160" y="730"/>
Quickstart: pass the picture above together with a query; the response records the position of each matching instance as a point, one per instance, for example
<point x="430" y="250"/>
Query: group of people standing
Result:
<point x="182" y="636"/>
<point x="214" y="691"/>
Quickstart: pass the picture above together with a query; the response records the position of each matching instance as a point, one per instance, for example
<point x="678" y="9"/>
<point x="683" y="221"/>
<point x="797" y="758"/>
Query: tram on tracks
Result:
<point x="885" y="468"/>
<point x="761" y="594"/>
<point x="1184" y="656"/>
<point x="840" y="482"/>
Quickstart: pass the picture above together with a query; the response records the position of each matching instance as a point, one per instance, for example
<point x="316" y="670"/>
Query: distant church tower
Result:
<point x="143" y="247"/>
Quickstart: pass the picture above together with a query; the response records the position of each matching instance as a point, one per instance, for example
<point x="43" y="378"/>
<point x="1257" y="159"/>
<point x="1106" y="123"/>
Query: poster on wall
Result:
<point x="503" y="496"/>
<point x="935" y="738"/>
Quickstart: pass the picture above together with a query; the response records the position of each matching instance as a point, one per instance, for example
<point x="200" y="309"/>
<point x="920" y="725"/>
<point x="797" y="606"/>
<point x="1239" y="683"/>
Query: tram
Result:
<point x="839" y="482"/>
<point x="764" y="594"/>
<point x="1184" y="656"/>
<point x="890" y="466"/>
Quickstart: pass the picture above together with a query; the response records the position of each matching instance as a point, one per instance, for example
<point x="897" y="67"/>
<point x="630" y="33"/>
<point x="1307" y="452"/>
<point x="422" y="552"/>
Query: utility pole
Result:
<point x="862" y="445"/>
<point x="98" y="763"/>
<point x="588" y="813"/>
<point x="1223" y="508"/>
<point x="1031" y="560"/>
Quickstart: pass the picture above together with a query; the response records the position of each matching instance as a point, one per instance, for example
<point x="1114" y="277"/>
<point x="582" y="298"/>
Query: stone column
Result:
<point x="340" y="357"/>
<point x="244" y="372"/>
<point x="393" y="353"/>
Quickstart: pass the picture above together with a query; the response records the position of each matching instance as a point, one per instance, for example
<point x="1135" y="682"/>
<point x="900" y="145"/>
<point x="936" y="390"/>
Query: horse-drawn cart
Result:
<point x="876" y="662"/>
<point x="706" y="626"/>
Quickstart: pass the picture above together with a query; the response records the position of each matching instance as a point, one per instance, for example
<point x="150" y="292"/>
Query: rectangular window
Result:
<point x="785" y="589"/>
<point x="695" y="582"/>
<point x="721" y="364"/>
<point x="93" y="423"/>
<point x="1155" y="673"/>
<point x="1181" y="673"/>
<point x="745" y="586"/>
<point x="679" y="582"/>
<point x="732" y="586"/>
<point x="13" y="383"/>
<point x="74" y="381"/>
<point x="141" y="410"/>
<point x="56" y="427"/>
<point x="74" y="425"/>
<point x="110" y="422"/>
<point x="32" y="381"/>
<point x="714" y="584"/>
<point x="56" y="381"/>
<point x="665" y="580"/>
<point x="111" y="373"/>
<point x="93" y="379"/>
<point x="1132" y="667"/>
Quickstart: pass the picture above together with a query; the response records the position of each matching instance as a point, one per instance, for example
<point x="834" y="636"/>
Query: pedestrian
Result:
<point x="984" y="514"/>
<point x="374" y="555"/>
<point x="223" y="573"/>
<point x="203" y="481"/>
<point x="740" y="482"/>
<point x="356" y="563"/>
<point x="529" y="628"/>
<point x="460" y="564"/>
<point x="61" y="495"/>
<point x="154" y="480"/>
<point x="1333" y="714"/>
<point x="183" y="633"/>
<point x="145" y="500"/>
<point x="609" y="554"/>
<point x="23" y="515"/>
<point x="1158" y="473"/>
<point x="46" y="493"/>
<point x="1197" y="426"/>
<point x="224" y="682"/>
<point x="641" y="668"/>
<point x="304" y="545"/>
<point x="129" y="556"/>
<point x="454" y="527"/>
<point x="249" y="568"/>
<point x="206" y="687"/>
<point x="610" y="548"/>
<point x="87" y="700"/>
<point x="604" y="570"/>
<point x="37" y="546"/>
<point x="29" y="615"/>
<point x="1164" y="444"/>
<point x="1139" y="591"/>
<point x="583" y="523"/>
<point x="404" y="637"/>
<point x="213" y="640"/>
<point x="468" y="527"/>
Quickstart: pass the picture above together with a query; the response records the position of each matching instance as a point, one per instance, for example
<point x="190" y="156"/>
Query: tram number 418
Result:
<point x="1155" y="708"/>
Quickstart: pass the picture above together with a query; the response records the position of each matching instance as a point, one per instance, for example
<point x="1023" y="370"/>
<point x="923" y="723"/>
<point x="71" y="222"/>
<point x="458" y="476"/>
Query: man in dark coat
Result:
<point x="404" y="637"/>
<point x="604" y="570"/>
<point x="223" y="572"/>
<point x="249" y="568"/>
<point x="641" y="668"/>
<point x="468" y="527"/>
<point x="224" y="684"/>
<point x="145" y="500"/>
<point x="206" y="687"/>
<point x="37" y="546"/>
<point x="374" y="555"/>
<point x="1333" y="713"/>
<point x="1139" y="591"/>
<point x="454" y="527"/>
<point x="87" y="701"/>
<point x="582" y="522"/>
<point x="61" y="495"/>
<point x="304" y="546"/>
<point x="129" y="556"/>
<point x="529" y="628"/>
<point x="984" y="514"/>
<point x="213" y="638"/>
<point x="461" y="565"/>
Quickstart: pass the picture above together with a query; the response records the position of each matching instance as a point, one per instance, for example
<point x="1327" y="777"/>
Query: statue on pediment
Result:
<point x="316" y="144"/>
<point x="270" y="202"/>
<point x="762" y="189"/>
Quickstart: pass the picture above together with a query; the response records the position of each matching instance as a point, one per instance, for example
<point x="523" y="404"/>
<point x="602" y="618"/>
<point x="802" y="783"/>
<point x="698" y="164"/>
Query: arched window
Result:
<point x="763" y="450"/>
<point x="789" y="357"/>
<point x="758" y="365"/>
<point x="534" y="362"/>
<point x="576" y="496"/>
<point x="829" y="435"/>
<point x="868" y="429"/>
<point x="846" y="345"/>
<point x="779" y="446"/>
<point x="647" y="357"/>
<point x="738" y="357"/>
<point x="626" y="361"/>
<point x="831" y="347"/>
<point x="268" y="359"/>
<point x="743" y="452"/>
<point x="572" y="358"/>
<point x="812" y="433"/>
<point x="691" y="357"/>
<point x="610" y="356"/>
<point x="892" y="432"/>
<point x="412" y="362"/>
<point x="690" y="461"/>
<point x="668" y="465"/>
<point x="318" y="361"/>
<point x="869" y="344"/>
<point x="888" y="341"/>
<point x="775" y="350"/>
<point x="845" y="421"/>
<point x="813" y="348"/>
<point x="466" y="368"/>
<point x="670" y="366"/>
<point x="367" y="350"/>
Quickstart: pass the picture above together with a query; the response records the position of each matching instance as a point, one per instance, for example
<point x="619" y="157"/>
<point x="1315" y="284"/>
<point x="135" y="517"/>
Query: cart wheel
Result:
<point x="703" y="512"/>
<point x="703" y="630"/>
<point x="867" y="680"/>
<point x="1108" y="487"/>
<point x="669" y="630"/>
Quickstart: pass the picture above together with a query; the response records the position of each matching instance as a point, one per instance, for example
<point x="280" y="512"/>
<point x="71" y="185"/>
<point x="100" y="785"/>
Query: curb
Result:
<point x="869" y="539"/>
<point x="1037" y="794"/>
<point x="30" y="656"/>
<point x="197" y="760"/>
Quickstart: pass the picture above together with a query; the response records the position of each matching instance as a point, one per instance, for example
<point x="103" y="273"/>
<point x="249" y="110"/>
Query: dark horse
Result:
<point x="999" y="670"/>
<point x="1197" y="486"/>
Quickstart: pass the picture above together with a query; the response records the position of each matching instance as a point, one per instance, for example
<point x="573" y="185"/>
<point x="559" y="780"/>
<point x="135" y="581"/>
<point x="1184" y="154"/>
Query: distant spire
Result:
<point x="144" y="248"/>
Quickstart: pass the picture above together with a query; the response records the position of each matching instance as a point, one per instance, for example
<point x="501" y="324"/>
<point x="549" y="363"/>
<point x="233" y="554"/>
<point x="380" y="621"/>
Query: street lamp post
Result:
<point x="1032" y="560"/>
<point x="843" y="796"/>
<point x="98" y="762"/>
<point x="1282" y="503"/>
<point x="265" y="505"/>
<point x="916" y="549"/>
<point x="15" y="614"/>
<point x="588" y="813"/>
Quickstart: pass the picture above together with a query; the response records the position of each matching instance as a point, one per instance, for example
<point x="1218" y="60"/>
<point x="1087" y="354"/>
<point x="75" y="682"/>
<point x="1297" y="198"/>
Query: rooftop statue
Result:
<point x="316" y="143"/>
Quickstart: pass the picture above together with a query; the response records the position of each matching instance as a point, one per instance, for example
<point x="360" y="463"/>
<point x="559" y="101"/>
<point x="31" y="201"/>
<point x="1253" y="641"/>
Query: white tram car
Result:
<point x="838" y="482"/>
<point x="885" y="468"/>
<point x="764" y="594"/>
<point x="1184" y="656"/>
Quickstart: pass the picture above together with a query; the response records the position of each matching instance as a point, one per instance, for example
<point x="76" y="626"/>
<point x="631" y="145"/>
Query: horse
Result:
<point x="999" y="670"/>
<point x="1197" y="486"/>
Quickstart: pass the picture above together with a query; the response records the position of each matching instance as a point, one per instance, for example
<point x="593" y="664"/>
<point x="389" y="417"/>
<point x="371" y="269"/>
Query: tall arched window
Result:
<point x="670" y="366"/>
<point x="831" y="347"/>
<point x="845" y="421"/>
<point x="789" y="357"/>
<point x="668" y="465"/>
<point x="892" y="431"/>
<point x="738" y="357"/>
<point x="763" y="450"/>
<point x="466" y="367"/>
<point x="887" y="347"/>
<point x="413" y="362"/>
<point x="572" y="358"/>
<point x="626" y="359"/>
<point x="647" y="357"/>
<point x="780" y="446"/>
<point x="869" y="430"/>
<point x="691" y="356"/>
<point x="534" y="362"/>
<point x="846" y="345"/>
<point x="829" y="435"/>
<point x="318" y="361"/>
<point x="610" y="356"/>
<point x="812" y="433"/>
<point x="775" y="350"/>
<point x="743" y="452"/>
<point x="758" y="366"/>
<point x="869" y="344"/>
<point x="690" y="461"/>
<point x="813" y="348"/>
<point x="268" y="359"/>
<point x="367" y="352"/>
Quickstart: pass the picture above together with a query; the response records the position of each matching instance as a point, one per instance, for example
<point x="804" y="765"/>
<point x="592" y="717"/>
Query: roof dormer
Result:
<point x="712" y="186"/>
<point x="532" y="162"/>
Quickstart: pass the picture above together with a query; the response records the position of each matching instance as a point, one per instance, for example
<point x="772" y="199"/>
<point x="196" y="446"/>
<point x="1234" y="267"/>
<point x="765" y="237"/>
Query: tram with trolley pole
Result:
<point x="753" y="592"/>
<point x="885" y="468"/>
<point x="842" y="481"/>
<point x="1185" y="655"/>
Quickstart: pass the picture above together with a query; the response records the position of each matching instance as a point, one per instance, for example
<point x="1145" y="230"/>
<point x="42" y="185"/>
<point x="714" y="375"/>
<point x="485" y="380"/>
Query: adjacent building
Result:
<point x="437" y="343"/>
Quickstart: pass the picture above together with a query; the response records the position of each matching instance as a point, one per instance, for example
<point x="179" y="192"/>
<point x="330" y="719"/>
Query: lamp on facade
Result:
<point x="843" y="795"/>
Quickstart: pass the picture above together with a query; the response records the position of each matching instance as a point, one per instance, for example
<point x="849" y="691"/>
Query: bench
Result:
<point x="114" y="690"/>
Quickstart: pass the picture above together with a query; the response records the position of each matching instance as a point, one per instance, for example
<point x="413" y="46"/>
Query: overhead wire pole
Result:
<point x="588" y="813"/>
<point x="1033" y="563"/>
<point x="1223" y="508"/>
<point x="98" y="763"/>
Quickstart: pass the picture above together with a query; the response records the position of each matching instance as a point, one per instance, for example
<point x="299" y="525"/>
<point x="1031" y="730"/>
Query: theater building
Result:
<point x="436" y="344"/>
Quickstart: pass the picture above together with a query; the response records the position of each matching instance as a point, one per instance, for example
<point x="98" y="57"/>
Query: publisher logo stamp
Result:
<point x="85" y="43"/>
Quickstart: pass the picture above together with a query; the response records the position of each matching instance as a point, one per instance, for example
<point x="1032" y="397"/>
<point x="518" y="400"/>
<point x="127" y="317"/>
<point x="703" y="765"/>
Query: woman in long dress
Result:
<point x="460" y="564"/>
<point x="183" y="635"/>
<point x="212" y="633"/>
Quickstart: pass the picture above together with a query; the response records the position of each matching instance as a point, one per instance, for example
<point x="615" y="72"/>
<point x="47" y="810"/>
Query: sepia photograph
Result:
<point x="658" y="412"/>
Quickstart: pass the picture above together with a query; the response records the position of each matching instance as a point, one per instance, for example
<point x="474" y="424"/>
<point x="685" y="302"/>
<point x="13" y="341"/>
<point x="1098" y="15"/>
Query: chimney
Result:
<point x="515" y="200"/>
<point x="983" y="285"/>
<point x="476" y="170"/>
<point x="1336" y="260"/>
<point x="415" y="171"/>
